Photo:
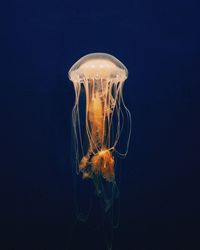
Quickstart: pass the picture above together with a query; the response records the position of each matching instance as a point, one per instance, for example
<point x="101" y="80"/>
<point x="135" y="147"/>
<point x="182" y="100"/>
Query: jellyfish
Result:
<point x="99" y="117"/>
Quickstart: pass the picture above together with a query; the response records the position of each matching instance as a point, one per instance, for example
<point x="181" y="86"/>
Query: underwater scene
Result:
<point x="100" y="125"/>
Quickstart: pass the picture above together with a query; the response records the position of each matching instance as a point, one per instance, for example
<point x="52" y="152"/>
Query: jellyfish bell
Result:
<point x="98" y="66"/>
<point x="98" y="126"/>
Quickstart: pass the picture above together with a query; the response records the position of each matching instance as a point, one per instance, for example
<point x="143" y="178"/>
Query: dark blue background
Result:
<point x="158" y="41"/>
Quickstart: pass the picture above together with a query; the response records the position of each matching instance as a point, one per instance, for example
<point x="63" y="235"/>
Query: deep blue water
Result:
<point x="158" y="41"/>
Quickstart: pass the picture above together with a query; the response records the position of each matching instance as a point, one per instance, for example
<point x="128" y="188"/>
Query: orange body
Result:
<point x="99" y="159"/>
